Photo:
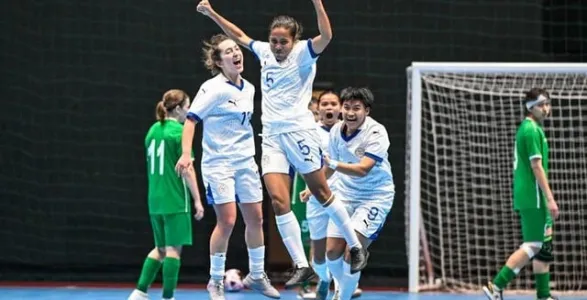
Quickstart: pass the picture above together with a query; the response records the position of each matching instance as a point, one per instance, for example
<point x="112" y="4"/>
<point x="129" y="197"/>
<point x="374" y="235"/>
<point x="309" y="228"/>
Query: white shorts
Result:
<point x="298" y="149"/>
<point x="224" y="186"/>
<point x="317" y="219"/>
<point x="367" y="217"/>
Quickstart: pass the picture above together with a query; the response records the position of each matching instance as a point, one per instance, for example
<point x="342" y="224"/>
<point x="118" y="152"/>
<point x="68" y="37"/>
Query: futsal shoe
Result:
<point x="138" y="295"/>
<point x="299" y="277"/>
<point x="492" y="292"/>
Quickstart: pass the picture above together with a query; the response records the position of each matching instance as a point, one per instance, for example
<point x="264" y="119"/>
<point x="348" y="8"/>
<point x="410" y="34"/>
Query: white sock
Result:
<point x="217" y="265"/>
<point x="342" y="220"/>
<point x="322" y="271"/>
<point x="349" y="282"/>
<point x="290" y="232"/>
<point x="257" y="262"/>
<point x="336" y="269"/>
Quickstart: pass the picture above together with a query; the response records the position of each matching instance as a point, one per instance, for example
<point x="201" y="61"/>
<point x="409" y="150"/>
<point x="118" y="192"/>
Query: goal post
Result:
<point x="461" y="121"/>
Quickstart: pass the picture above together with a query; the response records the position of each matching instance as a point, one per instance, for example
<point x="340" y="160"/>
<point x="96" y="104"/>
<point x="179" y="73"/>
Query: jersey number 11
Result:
<point x="160" y="153"/>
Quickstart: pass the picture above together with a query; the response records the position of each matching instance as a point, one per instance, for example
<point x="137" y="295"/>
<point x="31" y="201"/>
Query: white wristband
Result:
<point x="333" y="164"/>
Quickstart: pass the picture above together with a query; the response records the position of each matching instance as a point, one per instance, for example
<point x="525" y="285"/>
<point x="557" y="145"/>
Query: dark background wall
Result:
<point x="80" y="79"/>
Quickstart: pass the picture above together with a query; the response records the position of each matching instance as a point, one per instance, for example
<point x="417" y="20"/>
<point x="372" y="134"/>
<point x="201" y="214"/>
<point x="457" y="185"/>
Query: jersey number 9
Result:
<point x="153" y="155"/>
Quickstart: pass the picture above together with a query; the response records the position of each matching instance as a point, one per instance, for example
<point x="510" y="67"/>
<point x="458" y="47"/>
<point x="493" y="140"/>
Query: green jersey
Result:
<point x="530" y="144"/>
<point x="168" y="193"/>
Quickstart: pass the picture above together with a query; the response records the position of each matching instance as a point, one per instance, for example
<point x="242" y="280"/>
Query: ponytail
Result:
<point x="161" y="112"/>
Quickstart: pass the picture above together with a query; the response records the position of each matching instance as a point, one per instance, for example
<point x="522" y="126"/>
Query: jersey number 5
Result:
<point x="152" y="155"/>
<point x="303" y="148"/>
<point x="269" y="79"/>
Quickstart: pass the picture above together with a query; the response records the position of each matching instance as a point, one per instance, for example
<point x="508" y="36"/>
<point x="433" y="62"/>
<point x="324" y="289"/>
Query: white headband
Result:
<point x="540" y="99"/>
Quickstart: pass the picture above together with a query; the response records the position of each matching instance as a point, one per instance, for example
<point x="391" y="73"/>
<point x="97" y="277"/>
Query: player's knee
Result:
<point x="531" y="248"/>
<point x="319" y="188"/>
<point x="545" y="254"/>
<point x="157" y="253"/>
<point x="319" y="251"/>
<point x="254" y="221"/>
<point x="225" y="223"/>
<point x="173" y="251"/>
<point x="280" y="205"/>
<point x="335" y="248"/>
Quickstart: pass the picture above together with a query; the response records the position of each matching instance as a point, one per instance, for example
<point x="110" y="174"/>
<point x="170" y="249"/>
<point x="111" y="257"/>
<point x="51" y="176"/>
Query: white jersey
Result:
<point x="225" y="109"/>
<point x="369" y="140"/>
<point x="286" y="87"/>
<point x="324" y="133"/>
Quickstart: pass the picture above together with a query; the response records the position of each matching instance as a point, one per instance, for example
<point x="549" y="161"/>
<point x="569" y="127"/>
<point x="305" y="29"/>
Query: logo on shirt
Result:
<point x="232" y="101"/>
<point x="222" y="189"/>
<point x="360" y="151"/>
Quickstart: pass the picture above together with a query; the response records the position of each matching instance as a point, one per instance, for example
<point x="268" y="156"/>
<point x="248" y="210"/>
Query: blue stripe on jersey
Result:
<point x="240" y="88"/>
<point x="350" y="137"/>
<point x="251" y="48"/>
<point x="374" y="157"/>
<point x="209" y="196"/>
<point x="192" y="116"/>
<point x="292" y="172"/>
<point x="312" y="53"/>
<point x="375" y="234"/>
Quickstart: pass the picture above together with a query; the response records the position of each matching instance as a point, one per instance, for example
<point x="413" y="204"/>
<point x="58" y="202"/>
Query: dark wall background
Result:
<point x="80" y="79"/>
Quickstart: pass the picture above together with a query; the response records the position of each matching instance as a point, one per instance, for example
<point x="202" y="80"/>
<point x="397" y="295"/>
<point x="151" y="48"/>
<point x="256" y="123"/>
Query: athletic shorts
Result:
<point x="367" y="217"/>
<point x="225" y="186"/>
<point x="298" y="149"/>
<point x="536" y="224"/>
<point x="172" y="229"/>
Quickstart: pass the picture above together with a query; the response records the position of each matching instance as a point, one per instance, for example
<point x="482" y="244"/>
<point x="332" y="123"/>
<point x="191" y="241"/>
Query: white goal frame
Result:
<point x="415" y="125"/>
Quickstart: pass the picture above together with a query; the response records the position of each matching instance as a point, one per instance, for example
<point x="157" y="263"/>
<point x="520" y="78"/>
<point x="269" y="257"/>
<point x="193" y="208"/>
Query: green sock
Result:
<point x="149" y="272"/>
<point x="542" y="285"/>
<point x="170" y="275"/>
<point x="504" y="277"/>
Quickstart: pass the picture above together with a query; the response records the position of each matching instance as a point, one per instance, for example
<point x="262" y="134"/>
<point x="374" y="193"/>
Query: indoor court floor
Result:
<point x="76" y="293"/>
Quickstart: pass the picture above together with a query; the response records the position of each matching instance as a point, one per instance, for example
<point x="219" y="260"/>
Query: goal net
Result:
<point x="463" y="118"/>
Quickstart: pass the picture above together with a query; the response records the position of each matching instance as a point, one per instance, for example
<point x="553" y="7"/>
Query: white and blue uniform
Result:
<point x="368" y="199"/>
<point x="315" y="213"/>
<point x="289" y="133"/>
<point x="228" y="167"/>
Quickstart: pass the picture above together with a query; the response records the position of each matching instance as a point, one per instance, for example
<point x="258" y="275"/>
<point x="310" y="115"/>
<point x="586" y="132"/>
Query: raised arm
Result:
<point x="320" y="42"/>
<point x="229" y="29"/>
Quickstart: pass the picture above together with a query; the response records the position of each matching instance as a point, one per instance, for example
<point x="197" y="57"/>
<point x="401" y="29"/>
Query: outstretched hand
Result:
<point x="204" y="8"/>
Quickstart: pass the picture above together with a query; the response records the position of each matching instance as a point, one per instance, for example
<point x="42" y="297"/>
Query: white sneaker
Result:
<point x="262" y="285"/>
<point x="216" y="289"/>
<point x="138" y="295"/>
<point x="492" y="292"/>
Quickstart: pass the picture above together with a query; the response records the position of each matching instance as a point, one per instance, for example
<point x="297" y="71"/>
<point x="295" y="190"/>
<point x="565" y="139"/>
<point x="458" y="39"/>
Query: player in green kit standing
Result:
<point x="168" y="198"/>
<point x="533" y="200"/>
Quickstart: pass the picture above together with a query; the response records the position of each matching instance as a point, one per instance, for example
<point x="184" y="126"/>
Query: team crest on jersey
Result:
<point x="222" y="189"/>
<point x="360" y="152"/>
<point x="265" y="161"/>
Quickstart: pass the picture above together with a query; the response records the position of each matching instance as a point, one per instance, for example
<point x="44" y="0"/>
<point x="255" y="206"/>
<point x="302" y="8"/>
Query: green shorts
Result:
<point x="172" y="229"/>
<point x="536" y="224"/>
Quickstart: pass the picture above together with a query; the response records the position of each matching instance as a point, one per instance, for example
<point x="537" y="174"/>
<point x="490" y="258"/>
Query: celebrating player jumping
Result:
<point x="224" y="104"/>
<point x="169" y="202"/>
<point x="533" y="200"/>
<point x="288" y="68"/>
